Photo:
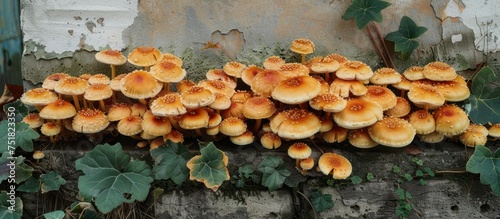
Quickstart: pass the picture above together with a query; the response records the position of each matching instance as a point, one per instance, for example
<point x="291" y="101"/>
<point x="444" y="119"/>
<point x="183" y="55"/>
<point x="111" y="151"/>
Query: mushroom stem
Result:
<point x="256" y="126"/>
<point x="303" y="58"/>
<point x="403" y="93"/>
<point x="198" y="131"/>
<point x="143" y="101"/>
<point x="303" y="105"/>
<point x="113" y="71"/>
<point x="103" y="107"/>
<point x="174" y="123"/>
<point x="77" y="103"/>
<point x="85" y="104"/>
<point x="146" y="68"/>
<point x="166" y="86"/>
<point x="327" y="77"/>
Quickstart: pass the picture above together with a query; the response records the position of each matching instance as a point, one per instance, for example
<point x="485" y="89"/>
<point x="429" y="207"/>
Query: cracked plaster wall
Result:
<point x="63" y="35"/>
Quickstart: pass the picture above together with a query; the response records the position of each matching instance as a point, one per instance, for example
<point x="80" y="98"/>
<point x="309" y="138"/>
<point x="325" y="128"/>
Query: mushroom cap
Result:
<point x="326" y="124"/>
<point x="155" y="143"/>
<point x="325" y="65"/>
<point x="471" y="138"/>
<point x="361" y="139"/>
<point x="328" y="102"/>
<point x="140" y="85"/>
<point x="422" y="121"/>
<point x="295" y="90"/>
<point x="115" y="83"/>
<point x="212" y="131"/>
<point x="337" y="57"/>
<point x="273" y="62"/>
<point x="52" y="80"/>
<point x="166" y="71"/>
<point x="194" y="119"/>
<point x="184" y="85"/>
<point x="38" y="97"/>
<point x="111" y="57"/>
<point x="59" y="109"/>
<point x="270" y="140"/>
<point x="85" y="76"/>
<point x="50" y="129"/>
<point x="221" y="102"/>
<point x="264" y="82"/>
<point x="33" y="120"/>
<point x="219" y="74"/>
<point x="455" y="90"/>
<point x="439" y="71"/>
<point x="335" y="134"/>
<point x="354" y="70"/>
<point x="494" y="130"/>
<point x="217" y="86"/>
<point x="169" y="57"/>
<point x="325" y="87"/>
<point x="258" y="108"/>
<point x="294" y="69"/>
<point x="241" y="96"/>
<point x="307" y="164"/>
<point x="249" y="73"/>
<point x="37" y="155"/>
<point x="130" y="125"/>
<point x="168" y="105"/>
<point x="144" y="56"/>
<point x="214" y="119"/>
<point x="335" y="164"/>
<point x="392" y="132"/>
<point x="425" y="95"/>
<point x="299" y="150"/>
<point x="384" y="76"/>
<point x="358" y="113"/>
<point x="197" y="96"/>
<point x="118" y="111"/>
<point x="244" y="139"/>
<point x="451" y="120"/>
<point x="344" y="87"/>
<point x="232" y="126"/>
<point x="138" y="109"/>
<point x="99" y="79"/>
<point x="89" y="121"/>
<point x="478" y="128"/>
<point x="234" y="110"/>
<point x="302" y="46"/>
<point x="431" y="138"/>
<point x="96" y="92"/>
<point x="402" y="108"/>
<point x="146" y="136"/>
<point x="174" y="136"/>
<point x="414" y="73"/>
<point x="295" y="124"/>
<point x="405" y="84"/>
<point x="71" y="86"/>
<point x="234" y="68"/>
<point x="381" y="95"/>
<point x="155" y="125"/>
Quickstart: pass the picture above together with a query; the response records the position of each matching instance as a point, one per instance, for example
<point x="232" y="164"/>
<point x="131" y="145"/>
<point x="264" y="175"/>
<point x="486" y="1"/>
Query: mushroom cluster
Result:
<point x="330" y="98"/>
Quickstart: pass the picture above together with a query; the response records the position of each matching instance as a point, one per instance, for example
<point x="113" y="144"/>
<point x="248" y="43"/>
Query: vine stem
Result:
<point x="450" y="171"/>
<point x="305" y="197"/>
<point x="375" y="26"/>
<point x="379" y="50"/>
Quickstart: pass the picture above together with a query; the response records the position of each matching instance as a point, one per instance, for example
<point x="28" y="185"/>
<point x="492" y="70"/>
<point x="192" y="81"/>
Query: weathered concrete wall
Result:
<point x="62" y="36"/>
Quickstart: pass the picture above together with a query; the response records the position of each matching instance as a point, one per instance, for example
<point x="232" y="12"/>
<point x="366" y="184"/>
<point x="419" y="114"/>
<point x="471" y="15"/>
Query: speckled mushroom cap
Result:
<point x="294" y="69"/>
<point x="130" y="125"/>
<point x="335" y="134"/>
<point x="89" y="121"/>
<point x="232" y="126"/>
<point x="385" y="76"/>
<point x="307" y="164"/>
<point x="455" y="90"/>
<point x="295" y="124"/>
<point x="354" y="70"/>
<point x="328" y="102"/>
<point x="169" y="57"/>
<point x="118" y="111"/>
<point x="361" y="139"/>
<point x="299" y="150"/>
<point x="174" y="136"/>
<point x="140" y="85"/>
<point x="431" y="138"/>
<point x="33" y="120"/>
<point x="258" y="108"/>
<point x="249" y="73"/>
<point x="244" y="139"/>
<point x="405" y="84"/>
<point x="325" y="87"/>
<point x="168" y="105"/>
<point x="110" y="57"/>
<point x="219" y="74"/>
<point x="494" y="130"/>
<point x="99" y="79"/>
<point x="264" y="82"/>
<point x="184" y="85"/>
<point x="115" y="83"/>
<point x="325" y="65"/>
<point x="50" y="129"/>
<point x="197" y="96"/>
<point x="337" y="57"/>
<point x="221" y="102"/>
<point x="296" y="90"/>
<point x="451" y="120"/>
<point x="392" y="132"/>
<point x="166" y="71"/>
<point x="59" y="109"/>
<point x="234" y="110"/>
<point x="155" y="125"/>
<point x="234" y="68"/>
<point x="422" y="121"/>
<point x="471" y="138"/>
<point x="38" y="97"/>
<point x="71" y="86"/>
<point x="477" y="128"/>
<point x="194" y="119"/>
<point x="270" y="140"/>
<point x="144" y="56"/>
<point x="96" y="92"/>
<point x="439" y="71"/>
<point x="273" y="62"/>
<point x="381" y="95"/>
<point x="402" y="108"/>
<point x="425" y="96"/>
<point x="344" y="88"/>
<point x="217" y="86"/>
<point x="52" y="80"/>
<point x="358" y="113"/>
<point x="414" y="73"/>
<point x="335" y="164"/>
<point x="302" y="46"/>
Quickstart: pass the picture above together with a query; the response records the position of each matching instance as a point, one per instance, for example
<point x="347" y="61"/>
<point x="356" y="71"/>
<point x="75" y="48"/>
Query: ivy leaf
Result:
<point x="485" y="97"/>
<point x="84" y="210"/>
<point x="404" y="38"/>
<point x="170" y="162"/>
<point x="10" y="208"/>
<point x="356" y="180"/>
<point x="274" y="172"/>
<point x="111" y="178"/>
<point x="320" y="201"/>
<point x="24" y="136"/>
<point x="245" y="171"/>
<point x="370" y="176"/>
<point x="22" y="171"/>
<point x="31" y="185"/>
<point x="365" y="11"/>
<point x="51" y="181"/>
<point x="59" y="214"/>
<point x="210" y="167"/>
<point x="487" y="165"/>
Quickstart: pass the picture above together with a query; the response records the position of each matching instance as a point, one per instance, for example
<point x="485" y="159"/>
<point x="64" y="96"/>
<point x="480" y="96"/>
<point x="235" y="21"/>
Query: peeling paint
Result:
<point x="456" y="38"/>
<point x="47" y="23"/>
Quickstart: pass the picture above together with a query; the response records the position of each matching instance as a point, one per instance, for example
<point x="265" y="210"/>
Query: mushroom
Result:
<point x="144" y="56"/>
<point x="264" y="82"/>
<point x="38" y="97"/>
<point x="244" y="139"/>
<point x="249" y="73"/>
<point x="297" y="90"/>
<point x="58" y="110"/>
<point x="33" y="120"/>
<point x="99" y="79"/>
<point x="414" y="73"/>
<point x="474" y="135"/>
<point x="72" y="86"/>
<point x="51" y="129"/>
<point x="335" y="134"/>
<point x="156" y="142"/>
<point x="98" y="92"/>
<point x="168" y="105"/>
<point x="130" y="125"/>
<point x="221" y="102"/>
<point x="343" y="88"/>
<point x="155" y="125"/>
<point x="118" y="111"/>
<point x="38" y="155"/>
<point x="89" y="121"/>
<point x="451" y="120"/>
<point x="140" y="85"/>
<point x="234" y="69"/>
<point x="425" y="96"/>
<point x="270" y="140"/>
<point x="273" y="62"/>
<point x="217" y="86"/>
<point x="358" y="113"/>
<point x="169" y="57"/>
<point x="328" y="102"/>
<point x="219" y="74"/>
<point x="174" y="136"/>
<point x="431" y="138"/>
<point x="335" y="164"/>
<point x="439" y="71"/>
<point x="294" y="69"/>
<point x="295" y="124"/>
<point x="232" y="126"/>
<point x="112" y="58"/>
<point x="194" y="119"/>
<point x="52" y="80"/>
<point x="167" y="72"/>
<point x="306" y="164"/>
<point x="385" y="76"/>
<point x="197" y="96"/>
<point x="422" y="121"/>
<point x="299" y="151"/>
<point x="258" y="108"/>
<point x="354" y="70"/>
<point x="361" y="139"/>
<point x="303" y="47"/>
<point x="381" y="95"/>
<point x="326" y="65"/>
<point x="402" y="108"/>
<point x="455" y="90"/>
<point x="494" y="131"/>
<point x="392" y="132"/>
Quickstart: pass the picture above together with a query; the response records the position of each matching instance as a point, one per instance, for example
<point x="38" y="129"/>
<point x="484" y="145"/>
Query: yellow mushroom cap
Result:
<point x="294" y="69"/>
<point x="156" y="142"/>
<point x="232" y="126"/>
<point x="155" y="125"/>
<point x="50" y="129"/>
<point x="335" y="164"/>
<point x="439" y="71"/>
<point x="455" y="90"/>
<point x="425" y="95"/>
<point x="244" y="139"/>
<point x="59" y="109"/>
<point x="270" y="140"/>
<point x="295" y="124"/>
<point x="414" y="73"/>
<point x="115" y="83"/>
<point x="38" y="97"/>
<point x="354" y="70"/>
<point x="344" y="87"/>
<point x="71" y="86"/>
<point x="219" y="74"/>
<point x="217" y="86"/>
<point x="118" y="111"/>
<point x="33" y="120"/>
<point x="431" y="138"/>
<point x="381" y="95"/>
<point x="169" y="57"/>
<point x="197" y="96"/>
<point x="234" y="68"/>
<point x="494" y="130"/>
<point x="249" y="73"/>
<point x="99" y="79"/>
<point x="258" y="108"/>
<point x="307" y="164"/>
<point x="144" y="56"/>
<point x="296" y="90"/>
<point x="471" y="138"/>
<point x="328" y="102"/>
<point x="169" y="104"/>
<point x="384" y="76"/>
<point x="184" y="85"/>
<point x="302" y="46"/>
<point x="140" y="85"/>
<point x="37" y="155"/>
<point x="422" y="121"/>
<point x="273" y="62"/>
<point x="299" y="150"/>
<point x="96" y="92"/>
<point x="174" y="136"/>
<point x="358" y="113"/>
<point x="166" y="71"/>
<point x="361" y="139"/>
<point x="89" y="121"/>
<point x="194" y="119"/>
<point x="264" y="82"/>
<point x="335" y="134"/>
<point x="111" y="57"/>
<point x="451" y="120"/>
<point x="52" y="80"/>
<point x="221" y="102"/>
<point x="402" y="108"/>
<point x="392" y="132"/>
<point x="130" y="125"/>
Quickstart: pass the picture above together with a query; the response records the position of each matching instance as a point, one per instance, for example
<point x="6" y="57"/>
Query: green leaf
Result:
<point x="401" y="193"/>
<point x="429" y="171"/>
<point x="485" y="97"/>
<point x="245" y="171"/>
<point x="111" y="178"/>
<point x="170" y="162"/>
<point x="418" y="161"/>
<point x="330" y="182"/>
<point x="395" y="169"/>
<point x="54" y="215"/>
<point x="408" y="195"/>
<point x="23" y="136"/>
<point x="365" y="11"/>
<point x="404" y="38"/>
<point x="487" y="165"/>
<point x="274" y="172"/>
<point x="408" y="177"/>
<point x="422" y="182"/>
<point x="22" y="171"/>
<point x="51" y="181"/>
<point x="210" y="167"/>
<point x="419" y="173"/>
<point x="31" y="185"/>
<point x="320" y="201"/>
<point x="370" y="176"/>
<point x="83" y="210"/>
<point x="157" y="192"/>
<point x="356" y="180"/>
<point x="11" y="207"/>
